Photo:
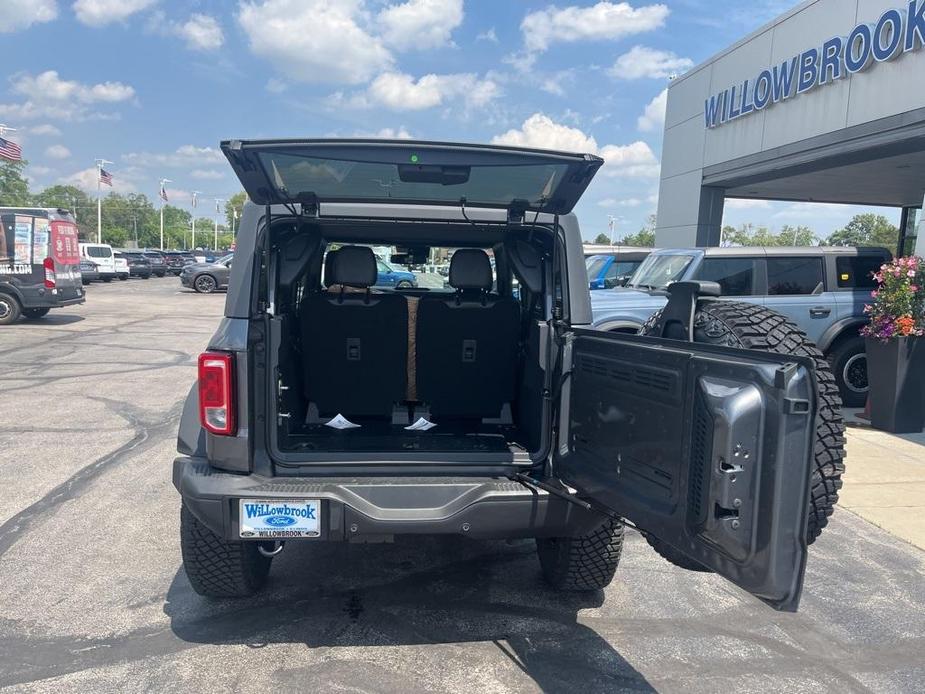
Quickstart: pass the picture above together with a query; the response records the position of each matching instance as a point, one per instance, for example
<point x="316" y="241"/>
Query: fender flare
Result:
<point x="612" y="325"/>
<point x="191" y="437"/>
<point x="12" y="291"/>
<point x="837" y="329"/>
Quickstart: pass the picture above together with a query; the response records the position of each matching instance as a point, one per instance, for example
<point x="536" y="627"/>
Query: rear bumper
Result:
<point x="477" y="507"/>
<point x="52" y="301"/>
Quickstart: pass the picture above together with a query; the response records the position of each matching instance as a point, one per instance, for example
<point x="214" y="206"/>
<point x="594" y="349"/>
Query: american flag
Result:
<point x="10" y="150"/>
<point x="163" y="193"/>
<point x="105" y="177"/>
<point x="194" y="199"/>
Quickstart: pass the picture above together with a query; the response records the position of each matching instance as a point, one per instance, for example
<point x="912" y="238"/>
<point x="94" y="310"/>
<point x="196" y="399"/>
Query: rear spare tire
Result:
<point x="216" y="567"/>
<point x="749" y="326"/>
<point x="582" y="563"/>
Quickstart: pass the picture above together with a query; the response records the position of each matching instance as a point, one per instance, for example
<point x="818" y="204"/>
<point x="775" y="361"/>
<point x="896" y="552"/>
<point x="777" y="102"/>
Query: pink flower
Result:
<point x="910" y="273"/>
<point x="874" y="294"/>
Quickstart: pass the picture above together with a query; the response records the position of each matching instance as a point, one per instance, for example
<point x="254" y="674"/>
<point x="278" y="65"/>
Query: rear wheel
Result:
<point x="849" y="363"/>
<point x="204" y="284"/>
<point x="404" y="284"/>
<point x="10" y="310"/>
<point x="217" y="568"/>
<point x="34" y="313"/>
<point x="582" y="563"/>
<point x="123" y="277"/>
<point x="749" y="326"/>
<point x="107" y="279"/>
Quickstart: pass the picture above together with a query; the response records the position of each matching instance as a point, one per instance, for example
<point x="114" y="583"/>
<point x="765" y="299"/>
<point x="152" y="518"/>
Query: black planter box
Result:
<point x="896" y="371"/>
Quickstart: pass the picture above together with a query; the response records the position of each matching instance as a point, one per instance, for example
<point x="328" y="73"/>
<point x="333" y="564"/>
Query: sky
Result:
<point x="155" y="85"/>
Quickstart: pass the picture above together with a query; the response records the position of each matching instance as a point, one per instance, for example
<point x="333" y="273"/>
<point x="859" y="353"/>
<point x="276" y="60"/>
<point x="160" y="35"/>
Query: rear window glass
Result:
<point x="333" y="179"/>
<point x="594" y="265"/>
<point x="795" y="276"/>
<point x="858" y="272"/>
<point x="16" y="241"/>
<point x="735" y="276"/>
<point x="622" y="268"/>
<point x="99" y="252"/>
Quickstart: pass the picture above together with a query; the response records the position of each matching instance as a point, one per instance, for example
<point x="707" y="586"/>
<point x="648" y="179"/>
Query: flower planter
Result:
<point x="896" y="371"/>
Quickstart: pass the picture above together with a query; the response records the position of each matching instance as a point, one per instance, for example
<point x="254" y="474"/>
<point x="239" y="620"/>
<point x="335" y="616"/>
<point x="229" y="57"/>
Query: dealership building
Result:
<point x="824" y="104"/>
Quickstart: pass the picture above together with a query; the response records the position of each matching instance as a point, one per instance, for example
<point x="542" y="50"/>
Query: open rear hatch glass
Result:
<point x="405" y="172"/>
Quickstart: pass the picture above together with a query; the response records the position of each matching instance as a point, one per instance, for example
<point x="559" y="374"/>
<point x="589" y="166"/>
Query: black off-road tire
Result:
<point x="582" y="563"/>
<point x="217" y="568"/>
<point x="10" y="309"/>
<point x="749" y="326"/>
<point x="849" y="364"/>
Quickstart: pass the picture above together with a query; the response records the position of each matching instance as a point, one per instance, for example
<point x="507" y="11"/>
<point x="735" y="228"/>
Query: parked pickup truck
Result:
<point x="821" y="289"/>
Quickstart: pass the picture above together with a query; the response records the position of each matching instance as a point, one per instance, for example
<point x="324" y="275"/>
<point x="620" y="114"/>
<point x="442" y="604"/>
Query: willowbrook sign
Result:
<point x="896" y="32"/>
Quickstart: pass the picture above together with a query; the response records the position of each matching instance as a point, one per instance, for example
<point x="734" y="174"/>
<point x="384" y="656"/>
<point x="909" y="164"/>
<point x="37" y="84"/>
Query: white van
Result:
<point x="101" y="254"/>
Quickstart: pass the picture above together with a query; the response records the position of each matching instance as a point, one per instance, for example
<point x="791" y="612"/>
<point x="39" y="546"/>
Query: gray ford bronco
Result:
<point x="328" y="411"/>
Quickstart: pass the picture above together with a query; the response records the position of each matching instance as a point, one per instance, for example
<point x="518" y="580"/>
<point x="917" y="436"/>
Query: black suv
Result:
<point x="138" y="264"/>
<point x="326" y="410"/>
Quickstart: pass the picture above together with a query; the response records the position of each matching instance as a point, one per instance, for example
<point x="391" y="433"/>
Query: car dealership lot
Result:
<point x="95" y="598"/>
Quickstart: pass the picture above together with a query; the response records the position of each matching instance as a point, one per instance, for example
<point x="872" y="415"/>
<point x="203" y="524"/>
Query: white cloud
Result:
<point x="53" y="98"/>
<point x="39" y="170"/>
<point x="86" y="179"/>
<point x="45" y="129"/>
<point x="314" y="40"/>
<point x="400" y="92"/>
<point x="389" y="134"/>
<point x="21" y="14"/>
<point x="540" y="132"/>
<point x="97" y="13"/>
<point x="48" y="86"/>
<point x="746" y="204"/>
<point x="57" y="152"/>
<point x="420" y="24"/>
<point x="275" y="86"/>
<point x="605" y="20"/>
<point x="201" y="33"/>
<point x="643" y="62"/>
<point x="488" y="35"/>
<point x="653" y="117"/>
<point x="187" y="156"/>
<point x="620" y="202"/>
<point x="207" y="174"/>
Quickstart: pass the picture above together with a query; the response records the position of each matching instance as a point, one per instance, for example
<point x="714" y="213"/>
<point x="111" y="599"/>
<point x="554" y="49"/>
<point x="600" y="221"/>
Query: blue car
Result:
<point x="613" y="268"/>
<point x="390" y="277"/>
<point x="822" y="290"/>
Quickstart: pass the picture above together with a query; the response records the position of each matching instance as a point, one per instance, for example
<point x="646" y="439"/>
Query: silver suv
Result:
<point x="822" y="290"/>
<point x="329" y="410"/>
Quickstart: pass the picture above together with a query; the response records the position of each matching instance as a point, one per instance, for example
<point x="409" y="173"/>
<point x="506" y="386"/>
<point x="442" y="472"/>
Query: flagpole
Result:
<point x="99" y="202"/>
<point x="99" y="198"/>
<point x="193" y="238"/>
<point x="162" y="194"/>
<point x="217" y="202"/>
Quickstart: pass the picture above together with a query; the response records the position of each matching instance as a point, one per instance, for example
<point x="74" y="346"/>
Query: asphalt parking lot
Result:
<point x="95" y="599"/>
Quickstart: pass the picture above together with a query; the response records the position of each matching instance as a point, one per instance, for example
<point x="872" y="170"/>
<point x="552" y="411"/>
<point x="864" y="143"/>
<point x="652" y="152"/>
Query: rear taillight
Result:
<point x="49" y="266"/>
<point x="216" y="394"/>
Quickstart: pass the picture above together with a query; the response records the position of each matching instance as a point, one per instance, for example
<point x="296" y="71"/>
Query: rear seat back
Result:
<point x="467" y="344"/>
<point x="355" y="342"/>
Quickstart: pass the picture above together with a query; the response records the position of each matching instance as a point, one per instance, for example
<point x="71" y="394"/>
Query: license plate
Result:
<point x="279" y="518"/>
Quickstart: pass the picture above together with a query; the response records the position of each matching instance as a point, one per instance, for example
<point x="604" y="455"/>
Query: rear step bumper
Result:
<point x="378" y="506"/>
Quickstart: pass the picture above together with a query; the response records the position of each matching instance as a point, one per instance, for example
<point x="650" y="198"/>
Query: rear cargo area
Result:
<point x="453" y="370"/>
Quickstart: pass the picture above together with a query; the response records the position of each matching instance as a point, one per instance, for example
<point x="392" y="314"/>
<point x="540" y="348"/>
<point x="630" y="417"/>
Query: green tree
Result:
<point x="750" y="235"/>
<point x="234" y="203"/>
<point x="866" y="230"/>
<point x="645" y="237"/>
<point x="14" y="189"/>
<point x="602" y="240"/>
<point x="81" y="205"/>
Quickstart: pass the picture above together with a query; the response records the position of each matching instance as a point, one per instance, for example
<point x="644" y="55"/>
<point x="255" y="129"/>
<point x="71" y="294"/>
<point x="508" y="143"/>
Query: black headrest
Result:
<point x="470" y="269"/>
<point x="329" y="268"/>
<point x="355" y="267"/>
